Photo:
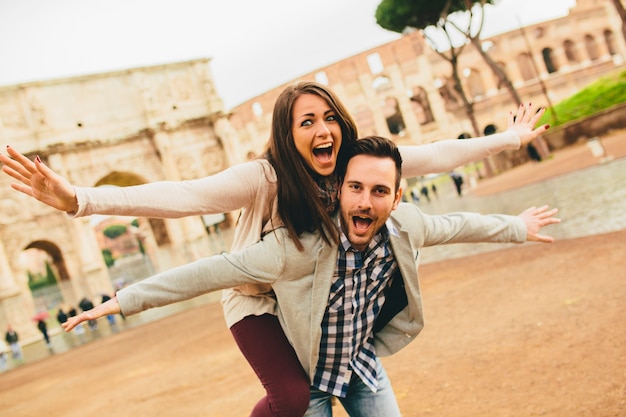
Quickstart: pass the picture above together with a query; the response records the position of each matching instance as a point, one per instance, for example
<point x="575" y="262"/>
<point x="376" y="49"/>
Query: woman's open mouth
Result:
<point x="324" y="153"/>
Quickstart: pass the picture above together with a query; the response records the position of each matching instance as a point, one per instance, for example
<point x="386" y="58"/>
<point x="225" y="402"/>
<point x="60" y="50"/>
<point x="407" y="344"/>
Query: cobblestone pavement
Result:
<point x="589" y="191"/>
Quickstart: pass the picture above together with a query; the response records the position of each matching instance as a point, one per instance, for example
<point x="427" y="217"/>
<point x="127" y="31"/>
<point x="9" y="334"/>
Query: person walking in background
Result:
<point x="43" y="328"/>
<point x="433" y="187"/>
<point x="80" y="329"/>
<point x="61" y="316"/>
<point x="110" y="317"/>
<point x="458" y="182"/>
<point x="13" y="340"/>
<point x="85" y="304"/>
<point x="424" y="192"/>
<point x="533" y="153"/>
<point x="4" y="355"/>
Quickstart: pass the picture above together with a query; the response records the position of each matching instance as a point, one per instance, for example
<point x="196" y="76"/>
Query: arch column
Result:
<point x="7" y="282"/>
<point x="16" y="304"/>
<point x="230" y="140"/>
<point x="94" y="275"/>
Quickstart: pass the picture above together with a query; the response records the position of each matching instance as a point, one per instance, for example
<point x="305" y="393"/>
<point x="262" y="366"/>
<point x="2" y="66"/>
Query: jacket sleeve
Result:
<point x="462" y="227"/>
<point x="445" y="155"/>
<point x="229" y="190"/>
<point x="260" y="263"/>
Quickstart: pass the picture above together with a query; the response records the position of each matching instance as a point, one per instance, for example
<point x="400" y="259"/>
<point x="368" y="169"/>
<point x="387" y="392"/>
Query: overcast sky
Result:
<point x="254" y="45"/>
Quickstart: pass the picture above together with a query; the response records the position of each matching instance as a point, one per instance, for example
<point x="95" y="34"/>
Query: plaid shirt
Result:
<point x="356" y="297"/>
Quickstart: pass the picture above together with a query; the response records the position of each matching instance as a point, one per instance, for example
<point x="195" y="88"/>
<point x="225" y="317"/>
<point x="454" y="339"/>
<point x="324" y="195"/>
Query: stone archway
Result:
<point x="57" y="288"/>
<point x="141" y="120"/>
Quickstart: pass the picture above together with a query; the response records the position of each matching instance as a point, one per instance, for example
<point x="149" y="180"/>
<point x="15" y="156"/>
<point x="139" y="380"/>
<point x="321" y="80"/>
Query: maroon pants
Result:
<point x="262" y="341"/>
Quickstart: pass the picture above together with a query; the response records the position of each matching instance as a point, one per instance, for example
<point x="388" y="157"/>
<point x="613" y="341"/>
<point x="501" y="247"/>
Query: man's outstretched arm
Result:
<point x="537" y="218"/>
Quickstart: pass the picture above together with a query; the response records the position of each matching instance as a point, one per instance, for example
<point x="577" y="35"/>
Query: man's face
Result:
<point x="367" y="198"/>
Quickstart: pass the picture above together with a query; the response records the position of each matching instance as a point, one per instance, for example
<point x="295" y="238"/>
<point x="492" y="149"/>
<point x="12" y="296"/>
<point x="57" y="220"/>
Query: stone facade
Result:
<point x="403" y="89"/>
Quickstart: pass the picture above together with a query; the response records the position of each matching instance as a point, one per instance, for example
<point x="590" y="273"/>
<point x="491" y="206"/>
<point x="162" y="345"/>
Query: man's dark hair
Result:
<point x="375" y="146"/>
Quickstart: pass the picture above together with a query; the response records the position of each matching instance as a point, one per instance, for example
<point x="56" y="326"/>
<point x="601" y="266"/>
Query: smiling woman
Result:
<point x="316" y="133"/>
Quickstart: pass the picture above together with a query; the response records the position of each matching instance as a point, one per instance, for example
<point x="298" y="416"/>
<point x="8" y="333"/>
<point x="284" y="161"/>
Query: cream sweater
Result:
<point x="251" y="187"/>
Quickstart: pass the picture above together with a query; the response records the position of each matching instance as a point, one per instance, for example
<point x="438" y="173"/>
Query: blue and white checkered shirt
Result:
<point x="356" y="297"/>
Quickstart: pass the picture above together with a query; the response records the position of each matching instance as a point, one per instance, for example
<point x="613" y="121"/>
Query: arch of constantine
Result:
<point x="167" y="122"/>
<point x="120" y="128"/>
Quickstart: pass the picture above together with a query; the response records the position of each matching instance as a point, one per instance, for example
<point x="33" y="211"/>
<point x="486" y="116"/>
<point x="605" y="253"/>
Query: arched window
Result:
<point x="447" y="92"/>
<point x="570" y="52"/>
<point x="421" y="105"/>
<point x="549" y="61"/>
<point x="499" y="81"/>
<point x="393" y="115"/>
<point x="524" y="61"/>
<point x="474" y="82"/>
<point x="592" y="48"/>
<point x="490" y="129"/>
<point x="609" y="38"/>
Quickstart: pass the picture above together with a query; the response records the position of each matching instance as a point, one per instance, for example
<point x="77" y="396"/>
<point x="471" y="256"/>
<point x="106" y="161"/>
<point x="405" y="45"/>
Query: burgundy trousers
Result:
<point x="263" y="343"/>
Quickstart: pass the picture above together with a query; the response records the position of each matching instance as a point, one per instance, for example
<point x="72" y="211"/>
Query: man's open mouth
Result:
<point x="361" y="223"/>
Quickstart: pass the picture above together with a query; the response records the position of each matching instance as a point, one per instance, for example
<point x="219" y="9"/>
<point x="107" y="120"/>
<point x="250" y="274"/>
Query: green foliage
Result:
<point x="50" y="276"/>
<point x="600" y="95"/>
<point x="32" y="278"/>
<point x="108" y="257"/>
<point x="114" y="231"/>
<point x="36" y="281"/>
<point x="396" y="15"/>
<point x="135" y="222"/>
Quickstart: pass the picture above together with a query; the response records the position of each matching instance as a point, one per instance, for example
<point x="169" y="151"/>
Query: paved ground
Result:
<point x="536" y="330"/>
<point x="562" y="162"/>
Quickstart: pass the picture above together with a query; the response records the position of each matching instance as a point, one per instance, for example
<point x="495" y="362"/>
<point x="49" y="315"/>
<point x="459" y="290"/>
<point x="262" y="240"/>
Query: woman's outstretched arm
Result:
<point x="445" y="155"/>
<point x="109" y="307"/>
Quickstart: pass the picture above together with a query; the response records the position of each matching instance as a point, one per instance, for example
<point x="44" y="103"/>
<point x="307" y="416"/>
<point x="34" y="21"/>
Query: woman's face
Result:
<point x="316" y="133"/>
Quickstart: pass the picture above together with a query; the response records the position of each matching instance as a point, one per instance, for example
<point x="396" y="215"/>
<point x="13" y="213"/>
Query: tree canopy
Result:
<point x="114" y="231"/>
<point x="397" y="15"/>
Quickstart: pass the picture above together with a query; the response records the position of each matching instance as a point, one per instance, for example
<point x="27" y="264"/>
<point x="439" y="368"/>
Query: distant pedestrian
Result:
<point x="4" y="355"/>
<point x="85" y="304"/>
<point x="110" y="317"/>
<point x="424" y="192"/>
<point x="433" y="188"/>
<point x="533" y="153"/>
<point x="78" y="330"/>
<point x="61" y="316"/>
<point x="43" y="328"/>
<point x="13" y="340"/>
<point x="458" y="182"/>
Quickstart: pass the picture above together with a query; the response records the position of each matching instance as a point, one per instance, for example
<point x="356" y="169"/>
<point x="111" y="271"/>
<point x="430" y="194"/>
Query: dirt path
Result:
<point x="538" y="330"/>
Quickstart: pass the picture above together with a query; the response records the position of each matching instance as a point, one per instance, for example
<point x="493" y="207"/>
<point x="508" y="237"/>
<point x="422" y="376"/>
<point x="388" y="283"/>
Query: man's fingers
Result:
<point x="544" y="239"/>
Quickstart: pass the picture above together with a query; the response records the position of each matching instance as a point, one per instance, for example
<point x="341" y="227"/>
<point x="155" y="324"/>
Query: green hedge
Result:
<point x="600" y="95"/>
